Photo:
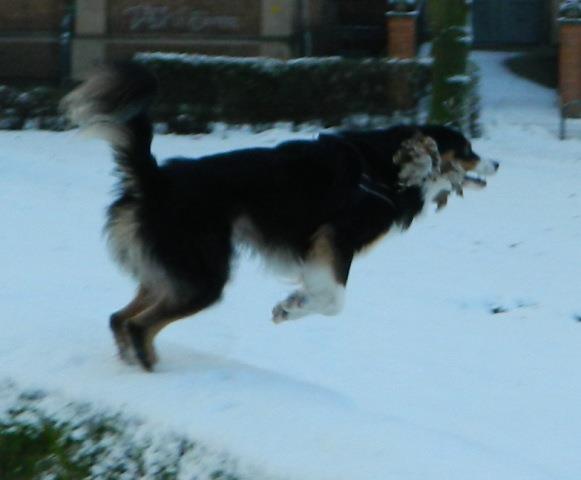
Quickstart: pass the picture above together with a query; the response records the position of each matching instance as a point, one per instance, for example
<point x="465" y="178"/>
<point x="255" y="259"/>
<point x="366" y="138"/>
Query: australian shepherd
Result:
<point x="306" y="205"/>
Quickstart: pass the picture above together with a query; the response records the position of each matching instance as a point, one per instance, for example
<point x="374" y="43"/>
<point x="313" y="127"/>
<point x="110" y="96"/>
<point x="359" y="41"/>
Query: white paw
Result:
<point x="293" y="307"/>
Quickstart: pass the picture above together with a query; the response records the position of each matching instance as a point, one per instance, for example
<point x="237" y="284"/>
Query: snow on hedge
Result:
<point x="570" y="9"/>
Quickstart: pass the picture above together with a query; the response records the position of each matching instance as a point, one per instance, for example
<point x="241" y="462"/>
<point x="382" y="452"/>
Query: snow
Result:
<point x="259" y="63"/>
<point x="570" y="8"/>
<point x="416" y="379"/>
<point x="459" y="79"/>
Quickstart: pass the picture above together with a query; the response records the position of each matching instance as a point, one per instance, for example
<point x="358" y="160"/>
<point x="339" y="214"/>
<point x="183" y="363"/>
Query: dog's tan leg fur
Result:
<point x="322" y="251"/>
<point x="118" y="321"/>
<point x="143" y="328"/>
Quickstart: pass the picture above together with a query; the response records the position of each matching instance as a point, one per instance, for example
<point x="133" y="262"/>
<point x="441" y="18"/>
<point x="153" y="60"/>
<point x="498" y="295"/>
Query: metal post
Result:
<point x="307" y="40"/>
<point x="567" y="109"/>
<point x="65" y="44"/>
<point x="562" y="132"/>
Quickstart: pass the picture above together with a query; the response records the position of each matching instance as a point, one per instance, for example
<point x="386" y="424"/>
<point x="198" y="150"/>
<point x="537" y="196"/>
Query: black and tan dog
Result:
<point x="308" y="206"/>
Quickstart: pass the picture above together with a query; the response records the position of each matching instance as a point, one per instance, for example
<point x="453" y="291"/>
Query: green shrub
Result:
<point x="473" y="102"/>
<point x="450" y="50"/>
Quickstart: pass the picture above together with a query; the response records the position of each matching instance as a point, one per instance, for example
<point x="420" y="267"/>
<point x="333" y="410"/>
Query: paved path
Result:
<point x="508" y="98"/>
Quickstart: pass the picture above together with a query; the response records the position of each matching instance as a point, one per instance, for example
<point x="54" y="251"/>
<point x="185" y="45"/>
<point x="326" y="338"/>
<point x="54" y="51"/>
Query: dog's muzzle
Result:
<point x="485" y="168"/>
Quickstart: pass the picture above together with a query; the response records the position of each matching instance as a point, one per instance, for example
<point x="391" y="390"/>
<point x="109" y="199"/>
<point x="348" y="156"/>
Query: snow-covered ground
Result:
<point x="457" y="355"/>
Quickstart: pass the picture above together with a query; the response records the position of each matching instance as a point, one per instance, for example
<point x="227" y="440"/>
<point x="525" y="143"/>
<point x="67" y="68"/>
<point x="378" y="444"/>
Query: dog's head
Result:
<point x="457" y="154"/>
<point x="449" y="155"/>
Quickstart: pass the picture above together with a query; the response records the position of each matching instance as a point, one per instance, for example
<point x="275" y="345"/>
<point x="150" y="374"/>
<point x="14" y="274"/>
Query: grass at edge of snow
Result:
<point x="44" y="436"/>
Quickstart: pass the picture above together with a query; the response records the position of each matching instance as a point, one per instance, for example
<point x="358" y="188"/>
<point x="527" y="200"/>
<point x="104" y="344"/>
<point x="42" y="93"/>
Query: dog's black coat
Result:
<point x="187" y="213"/>
<point x="287" y="191"/>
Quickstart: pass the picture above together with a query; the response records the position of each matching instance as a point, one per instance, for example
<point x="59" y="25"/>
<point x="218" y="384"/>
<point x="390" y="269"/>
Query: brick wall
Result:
<point x="114" y="29"/>
<point x="206" y="17"/>
<point x="570" y="60"/>
<point x="30" y="15"/>
<point x="29" y="38"/>
<point x="26" y="59"/>
<point x="111" y="29"/>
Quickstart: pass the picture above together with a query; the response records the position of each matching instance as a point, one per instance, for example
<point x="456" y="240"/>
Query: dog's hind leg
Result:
<point x="324" y="276"/>
<point x="118" y="321"/>
<point x="143" y="327"/>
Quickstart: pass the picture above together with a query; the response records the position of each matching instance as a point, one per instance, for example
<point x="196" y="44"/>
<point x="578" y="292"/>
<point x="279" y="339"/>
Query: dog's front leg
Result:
<point x="321" y="293"/>
<point x="324" y="276"/>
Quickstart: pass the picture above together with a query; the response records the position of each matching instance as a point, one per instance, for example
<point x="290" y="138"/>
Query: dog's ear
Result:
<point x="417" y="147"/>
<point x="432" y="148"/>
<point x="410" y="150"/>
<point x="418" y="159"/>
<point x="453" y="171"/>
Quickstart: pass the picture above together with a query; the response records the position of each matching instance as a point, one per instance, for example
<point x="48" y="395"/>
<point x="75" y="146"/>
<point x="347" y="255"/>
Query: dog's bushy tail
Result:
<point x="113" y="104"/>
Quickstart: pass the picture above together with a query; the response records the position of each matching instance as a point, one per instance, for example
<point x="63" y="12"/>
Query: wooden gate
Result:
<point x="510" y="22"/>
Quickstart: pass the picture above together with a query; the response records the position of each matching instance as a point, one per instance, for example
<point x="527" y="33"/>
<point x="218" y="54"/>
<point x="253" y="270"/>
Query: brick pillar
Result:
<point x="570" y="60"/>
<point x="278" y="20"/>
<point x="401" y="34"/>
<point x="89" y="41"/>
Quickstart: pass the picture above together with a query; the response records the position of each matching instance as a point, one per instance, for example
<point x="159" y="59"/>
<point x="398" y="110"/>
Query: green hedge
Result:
<point x="198" y="90"/>
<point x="32" y="107"/>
